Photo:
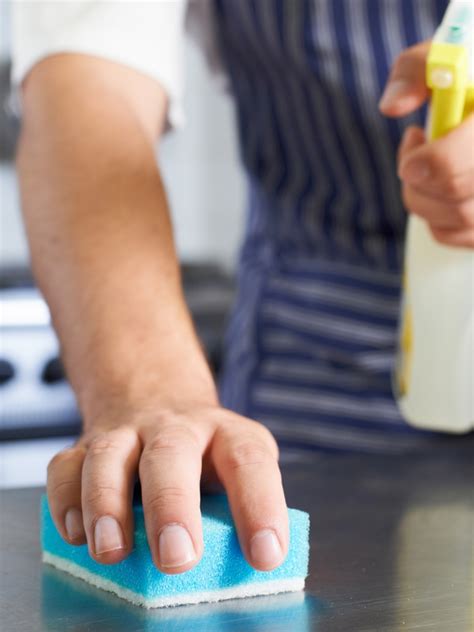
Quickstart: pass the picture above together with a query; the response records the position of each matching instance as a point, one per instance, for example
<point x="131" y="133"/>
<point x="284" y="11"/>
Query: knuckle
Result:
<point x="63" y="488"/>
<point x="439" y="235"/>
<point x="452" y="184"/>
<point x="403" y="64"/>
<point x="268" y="440"/>
<point x="272" y="443"/>
<point x="125" y="435"/>
<point x="464" y="213"/>
<point x="55" y="462"/>
<point x="173" y="439"/>
<point x="100" y="494"/>
<point x="166" y="497"/>
<point x="452" y="187"/>
<point x="248" y="453"/>
<point x="102" y="444"/>
<point x="438" y="164"/>
<point x="112" y="441"/>
<point x="61" y="458"/>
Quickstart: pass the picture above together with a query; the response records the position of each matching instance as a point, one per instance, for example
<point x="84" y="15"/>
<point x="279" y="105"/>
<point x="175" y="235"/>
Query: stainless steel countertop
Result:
<point x="391" y="550"/>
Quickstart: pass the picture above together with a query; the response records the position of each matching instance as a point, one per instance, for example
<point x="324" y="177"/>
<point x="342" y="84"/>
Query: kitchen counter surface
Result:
<point x="391" y="550"/>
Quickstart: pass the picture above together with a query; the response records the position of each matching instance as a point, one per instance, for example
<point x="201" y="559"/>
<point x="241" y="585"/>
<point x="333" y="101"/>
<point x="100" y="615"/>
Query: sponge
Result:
<point x="222" y="573"/>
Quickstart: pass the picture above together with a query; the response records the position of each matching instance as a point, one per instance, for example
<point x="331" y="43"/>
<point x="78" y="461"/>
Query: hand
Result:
<point x="437" y="176"/>
<point x="133" y="358"/>
<point x="90" y="485"/>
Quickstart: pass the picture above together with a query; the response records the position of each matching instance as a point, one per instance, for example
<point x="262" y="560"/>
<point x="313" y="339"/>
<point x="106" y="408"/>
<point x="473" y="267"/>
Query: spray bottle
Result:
<point x="434" y="377"/>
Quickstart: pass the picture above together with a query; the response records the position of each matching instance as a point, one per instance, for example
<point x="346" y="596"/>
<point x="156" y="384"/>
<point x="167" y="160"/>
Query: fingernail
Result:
<point x="108" y="535"/>
<point x="416" y="171"/>
<point x="73" y="524"/>
<point x="265" y="549"/>
<point x="175" y="546"/>
<point x="393" y="91"/>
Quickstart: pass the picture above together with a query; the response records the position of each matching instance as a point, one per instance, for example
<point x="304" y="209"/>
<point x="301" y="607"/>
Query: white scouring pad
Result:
<point x="222" y="573"/>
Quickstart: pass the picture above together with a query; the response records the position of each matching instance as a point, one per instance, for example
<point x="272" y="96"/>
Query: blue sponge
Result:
<point x="222" y="573"/>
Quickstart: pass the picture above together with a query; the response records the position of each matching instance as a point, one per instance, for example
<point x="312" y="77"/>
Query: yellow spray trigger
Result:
<point x="447" y="76"/>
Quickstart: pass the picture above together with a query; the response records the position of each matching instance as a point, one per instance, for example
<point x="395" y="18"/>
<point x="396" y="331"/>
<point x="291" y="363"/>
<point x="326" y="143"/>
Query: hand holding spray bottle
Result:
<point x="434" y="378"/>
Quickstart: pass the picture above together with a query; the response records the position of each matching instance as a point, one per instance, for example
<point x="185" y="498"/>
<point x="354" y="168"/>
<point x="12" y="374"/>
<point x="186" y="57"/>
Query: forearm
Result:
<point x="102" y="247"/>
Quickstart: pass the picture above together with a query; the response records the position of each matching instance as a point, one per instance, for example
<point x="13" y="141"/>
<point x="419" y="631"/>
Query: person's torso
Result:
<point x="307" y="76"/>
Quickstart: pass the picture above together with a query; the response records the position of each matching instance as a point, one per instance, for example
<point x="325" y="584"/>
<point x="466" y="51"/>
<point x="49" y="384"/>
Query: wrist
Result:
<point x="118" y="406"/>
<point x="176" y="385"/>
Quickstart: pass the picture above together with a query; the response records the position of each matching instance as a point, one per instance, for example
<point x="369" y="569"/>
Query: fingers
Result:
<point x="246" y="460"/>
<point x="438" y="182"/>
<point x="443" y="167"/>
<point x="64" y="494"/>
<point x="440" y="214"/>
<point x="170" y="472"/>
<point x="406" y="87"/>
<point x="458" y="238"/>
<point x="107" y="483"/>
<point x="90" y="490"/>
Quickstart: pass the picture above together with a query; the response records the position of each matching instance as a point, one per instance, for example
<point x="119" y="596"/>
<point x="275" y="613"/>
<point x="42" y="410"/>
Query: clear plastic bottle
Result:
<point x="434" y="378"/>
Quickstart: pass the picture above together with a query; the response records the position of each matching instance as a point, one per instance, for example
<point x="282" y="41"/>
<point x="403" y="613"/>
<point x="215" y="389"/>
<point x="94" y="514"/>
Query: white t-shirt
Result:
<point x="144" y="35"/>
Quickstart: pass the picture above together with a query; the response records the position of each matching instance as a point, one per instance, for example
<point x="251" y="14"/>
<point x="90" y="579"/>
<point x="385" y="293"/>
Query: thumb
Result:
<point x="406" y="87"/>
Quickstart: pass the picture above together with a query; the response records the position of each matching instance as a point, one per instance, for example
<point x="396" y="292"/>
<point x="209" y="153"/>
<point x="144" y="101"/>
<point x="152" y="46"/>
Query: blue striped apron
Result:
<point x="311" y="342"/>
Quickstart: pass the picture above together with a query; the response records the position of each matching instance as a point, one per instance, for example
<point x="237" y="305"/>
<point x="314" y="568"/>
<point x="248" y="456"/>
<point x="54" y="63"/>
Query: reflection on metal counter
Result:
<point x="65" y="598"/>
<point x="445" y="528"/>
